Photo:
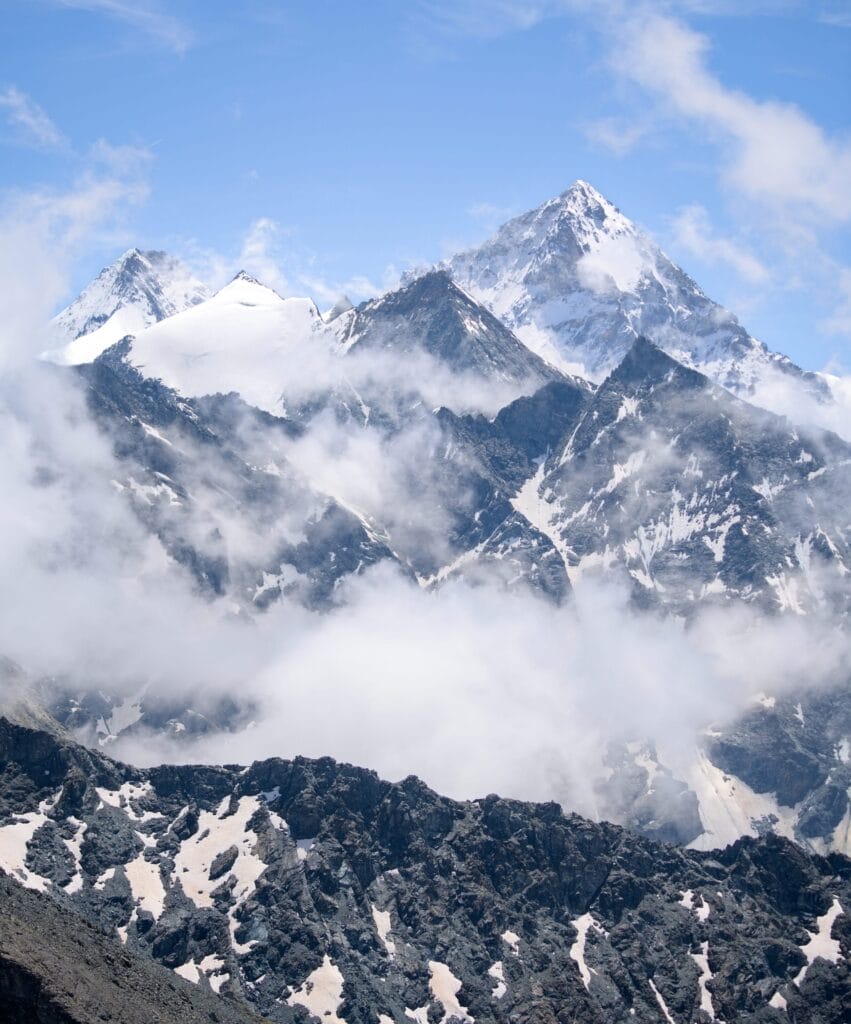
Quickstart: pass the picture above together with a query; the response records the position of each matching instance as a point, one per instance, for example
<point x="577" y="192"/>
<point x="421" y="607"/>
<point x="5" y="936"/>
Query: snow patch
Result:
<point x="582" y="925"/>
<point x="497" y="972"/>
<point x="662" y="1004"/>
<point x="381" y="918"/>
<point x="820" y="943"/>
<point x="322" y="992"/>
<point x="706" y="975"/>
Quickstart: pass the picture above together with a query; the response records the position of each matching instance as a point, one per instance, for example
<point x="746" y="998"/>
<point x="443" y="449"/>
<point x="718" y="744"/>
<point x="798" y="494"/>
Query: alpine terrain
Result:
<point x="558" y="409"/>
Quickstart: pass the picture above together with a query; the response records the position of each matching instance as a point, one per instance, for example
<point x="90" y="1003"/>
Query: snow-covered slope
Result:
<point x="577" y="281"/>
<point x="246" y="338"/>
<point x="138" y="290"/>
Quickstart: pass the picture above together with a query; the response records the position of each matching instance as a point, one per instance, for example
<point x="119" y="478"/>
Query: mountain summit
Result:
<point x="139" y="289"/>
<point x="578" y="282"/>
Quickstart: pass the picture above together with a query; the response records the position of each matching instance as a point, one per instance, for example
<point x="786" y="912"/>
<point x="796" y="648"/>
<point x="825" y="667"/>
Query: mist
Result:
<point x="474" y="688"/>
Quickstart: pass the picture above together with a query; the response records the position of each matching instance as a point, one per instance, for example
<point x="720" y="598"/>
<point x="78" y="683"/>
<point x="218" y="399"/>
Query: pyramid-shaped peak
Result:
<point x="243" y="275"/>
<point x="153" y="258"/>
<point x="646" y="363"/>
<point x="584" y="191"/>
<point x="583" y="202"/>
<point x="244" y="288"/>
<point x="422" y="289"/>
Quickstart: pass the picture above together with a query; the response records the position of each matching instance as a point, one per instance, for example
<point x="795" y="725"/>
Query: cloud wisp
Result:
<point x="147" y="16"/>
<point x="693" y="232"/>
<point x="774" y="153"/>
<point x="32" y="124"/>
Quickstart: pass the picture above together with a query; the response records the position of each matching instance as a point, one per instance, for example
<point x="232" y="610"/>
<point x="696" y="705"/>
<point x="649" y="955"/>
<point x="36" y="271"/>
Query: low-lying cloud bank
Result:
<point x="473" y="688"/>
<point x="477" y="690"/>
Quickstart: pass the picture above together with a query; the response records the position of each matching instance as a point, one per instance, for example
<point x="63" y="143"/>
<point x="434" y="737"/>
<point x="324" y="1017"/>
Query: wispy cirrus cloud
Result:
<point x="32" y="125"/>
<point x="488" y="17"/>
<point x="148" y="16"/>
<point x="694" y="233"/>
<point x="836" y="14"/>
<point x="839" y="322"/>
<point x="618" y="135"/>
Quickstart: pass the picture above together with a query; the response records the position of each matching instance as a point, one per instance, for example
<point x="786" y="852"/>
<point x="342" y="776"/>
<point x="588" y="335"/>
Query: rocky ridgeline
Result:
<point x="310" y="889"/>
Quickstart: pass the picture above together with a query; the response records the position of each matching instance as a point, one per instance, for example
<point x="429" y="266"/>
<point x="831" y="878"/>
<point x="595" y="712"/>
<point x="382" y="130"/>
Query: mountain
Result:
<point x="432" y="314"/>
<point x="314" y="890"/>
<point x="139" y="289"/>
<point x="578" y="282"/>
<point x="696" y="495"/>
<point x="212" y="481"/>
<point x="246" y="338"/>
<point x="238" y="426"/>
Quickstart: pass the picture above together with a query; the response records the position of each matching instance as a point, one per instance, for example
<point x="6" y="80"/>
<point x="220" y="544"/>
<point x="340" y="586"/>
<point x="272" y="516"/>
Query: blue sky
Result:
<point x="330" y="145"/>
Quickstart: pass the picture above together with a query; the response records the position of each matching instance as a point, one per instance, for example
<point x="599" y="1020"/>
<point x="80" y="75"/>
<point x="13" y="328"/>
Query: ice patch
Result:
<point x="124" y="798"/>
<point x="74" y="846"/>
<point x="701" y="910"/>
<point x="146" y="885"/>
<point x="777" y="1001"/>
<point x="304" y="846"/>
<point x="14" y="843"/>
<point x="730" y="809"/>
<point x="189" y="971"/>
<point x="217" y="831"/>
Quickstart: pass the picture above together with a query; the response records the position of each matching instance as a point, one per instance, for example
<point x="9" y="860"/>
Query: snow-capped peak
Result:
<point x="247" y="289"/>
<point x="577" y="281"/>
<point x="137" y="290"/>
<point x="341" y="306"/>
<point x="246" y="338"/>
<point x="582" y="199"/>
<point x="243" y="275"/>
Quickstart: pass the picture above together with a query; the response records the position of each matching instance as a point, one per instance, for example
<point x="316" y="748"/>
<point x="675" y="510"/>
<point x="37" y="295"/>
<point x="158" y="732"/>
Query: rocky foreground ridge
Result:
<point x="311" y="890"/>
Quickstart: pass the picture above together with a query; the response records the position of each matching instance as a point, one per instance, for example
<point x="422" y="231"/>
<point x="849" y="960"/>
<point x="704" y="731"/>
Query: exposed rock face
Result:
<point x="433" y="314"/>
<point x="353" y="899"/>
<point x="696" y="495"/>
<point x="59" y="968"/>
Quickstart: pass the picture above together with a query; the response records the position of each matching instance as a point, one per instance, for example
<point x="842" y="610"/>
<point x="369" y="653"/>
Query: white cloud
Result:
<point x="618" y="135"/>
<point x="693" y="232"/>
<point x="773" y="152"/>
<point x="34" y="126"/>
<point x="477" y="690"/>
<point x="489" y="215"/>
<point x="839" y="322"/>
<point x="488" y="17"/>
<point x="259" y="254"/>
<point x="146" y="15"/>
<point x="836" y="13"/>
<point x="289" y="269"/>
